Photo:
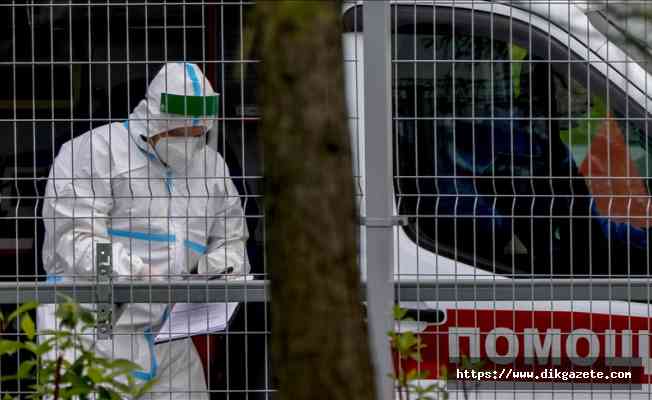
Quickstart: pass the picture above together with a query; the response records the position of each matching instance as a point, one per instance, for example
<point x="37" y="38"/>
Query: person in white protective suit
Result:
<point x="152" y="188"/>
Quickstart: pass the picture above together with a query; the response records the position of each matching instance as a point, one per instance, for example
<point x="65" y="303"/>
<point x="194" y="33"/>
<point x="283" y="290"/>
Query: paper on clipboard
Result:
<point x="189" y="319"/>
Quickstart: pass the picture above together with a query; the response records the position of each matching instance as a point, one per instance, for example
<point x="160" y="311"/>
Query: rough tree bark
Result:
<point x="319" y="339"/>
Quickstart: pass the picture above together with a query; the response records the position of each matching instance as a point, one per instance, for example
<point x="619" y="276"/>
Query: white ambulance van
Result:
<point x="520" y="150"/>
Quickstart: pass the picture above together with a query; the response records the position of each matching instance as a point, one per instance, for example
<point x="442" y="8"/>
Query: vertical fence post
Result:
<point x="378" y="187"/>
<point x="104" y="300"/>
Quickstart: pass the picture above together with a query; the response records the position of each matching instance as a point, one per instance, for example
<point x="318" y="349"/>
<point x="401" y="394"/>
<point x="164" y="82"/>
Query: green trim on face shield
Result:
<point x="190" y="106"/>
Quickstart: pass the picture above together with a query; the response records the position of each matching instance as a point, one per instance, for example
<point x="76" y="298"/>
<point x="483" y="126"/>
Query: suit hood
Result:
<point x="180" y="95"/>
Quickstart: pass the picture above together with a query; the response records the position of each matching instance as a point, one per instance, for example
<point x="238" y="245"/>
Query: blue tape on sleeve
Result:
<point x="153" y="237"/>
<point x="196" y="247"/>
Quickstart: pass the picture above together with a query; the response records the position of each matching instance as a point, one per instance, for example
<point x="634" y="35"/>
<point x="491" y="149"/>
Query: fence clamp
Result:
<point x="104" y="292"/>
<point x="396" y="220"/>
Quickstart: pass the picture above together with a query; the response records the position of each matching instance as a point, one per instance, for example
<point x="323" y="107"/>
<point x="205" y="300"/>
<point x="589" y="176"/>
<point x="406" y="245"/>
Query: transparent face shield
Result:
<point x="177" y="147"/>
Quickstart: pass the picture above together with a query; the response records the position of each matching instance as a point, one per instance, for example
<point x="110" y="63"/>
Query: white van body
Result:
<point x="611" y="321"/>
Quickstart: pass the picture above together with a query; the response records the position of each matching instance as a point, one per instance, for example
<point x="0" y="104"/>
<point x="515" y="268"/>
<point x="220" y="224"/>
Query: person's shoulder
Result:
<point x="92" y="147"/>
<point x="95" y="139"/>
<point x="211" y="153"/>
<point x="212" y="161"/>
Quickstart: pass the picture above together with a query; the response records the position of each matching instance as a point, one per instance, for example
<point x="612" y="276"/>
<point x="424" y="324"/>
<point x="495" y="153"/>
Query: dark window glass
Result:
<point x="513" y="154"/>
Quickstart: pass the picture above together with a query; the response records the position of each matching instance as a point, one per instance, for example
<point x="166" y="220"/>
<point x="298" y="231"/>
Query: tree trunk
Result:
<point x="319" y="339"/>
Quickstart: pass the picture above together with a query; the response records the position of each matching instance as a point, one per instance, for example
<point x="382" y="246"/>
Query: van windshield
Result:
<point x="512" y="153"/>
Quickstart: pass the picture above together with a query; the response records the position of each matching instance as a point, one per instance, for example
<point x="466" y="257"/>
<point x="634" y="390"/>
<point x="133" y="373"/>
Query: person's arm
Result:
<point x="621" y="231"/>
<point x="76" y="214"/>
<point x="226" y="249"/>
<point x="481" y="207"/>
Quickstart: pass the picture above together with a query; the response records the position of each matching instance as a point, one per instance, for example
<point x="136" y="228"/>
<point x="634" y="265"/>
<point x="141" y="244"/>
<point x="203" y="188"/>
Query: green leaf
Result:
<point x="115" y="395"/>
<point x="399" y="313"/>
<point x="77" y="367"/>
<point x="28" y="326"/>
<point x="9" y="347"/>
<point x="405" y="342"/>
<point x="7" y="396"/>
<point x="25" y="368"/>
<point x="30" y="346"/>
<point x="76" y="390"/>
<point x="68" y="313"/>
<point x="21" y="310"/>
<point x="102" y="362"/>
<point x="86" y="317"/>
<point x="39" y="349"/>
<point x="95" y="375"/>
<point x="107" y="394"/>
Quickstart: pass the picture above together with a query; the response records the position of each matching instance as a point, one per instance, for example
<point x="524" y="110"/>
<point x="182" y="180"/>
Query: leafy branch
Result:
<point x="60" y="376"/>
<point x="408" y="346"/>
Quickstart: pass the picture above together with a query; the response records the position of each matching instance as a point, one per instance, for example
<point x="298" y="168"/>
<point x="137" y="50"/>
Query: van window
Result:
<point x="512" y="153"/>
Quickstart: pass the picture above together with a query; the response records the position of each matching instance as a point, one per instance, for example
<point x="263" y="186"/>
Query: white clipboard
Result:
<point x="190" y="319"/>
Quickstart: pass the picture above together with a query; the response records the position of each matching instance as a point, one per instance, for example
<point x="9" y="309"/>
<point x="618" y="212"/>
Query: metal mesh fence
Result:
<point x="85" y="88"/>
<point x="520" y="159"/>
<point x="508" y="204"/>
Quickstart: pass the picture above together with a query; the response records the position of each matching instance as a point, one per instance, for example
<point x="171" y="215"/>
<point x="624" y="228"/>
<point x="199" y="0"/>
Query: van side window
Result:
<point x="514" y="155"/>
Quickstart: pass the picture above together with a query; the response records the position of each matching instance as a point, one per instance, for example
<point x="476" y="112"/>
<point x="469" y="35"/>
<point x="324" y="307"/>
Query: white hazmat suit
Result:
<point x="163" y="220"/>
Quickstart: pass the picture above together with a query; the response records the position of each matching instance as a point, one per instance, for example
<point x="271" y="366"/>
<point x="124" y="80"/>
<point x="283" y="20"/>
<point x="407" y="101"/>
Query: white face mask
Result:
<point x="179" y="151"/>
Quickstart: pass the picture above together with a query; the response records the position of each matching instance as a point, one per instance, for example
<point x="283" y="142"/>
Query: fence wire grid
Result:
<point x="505" y="154"/>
